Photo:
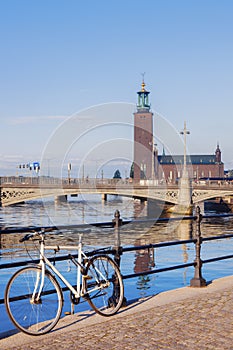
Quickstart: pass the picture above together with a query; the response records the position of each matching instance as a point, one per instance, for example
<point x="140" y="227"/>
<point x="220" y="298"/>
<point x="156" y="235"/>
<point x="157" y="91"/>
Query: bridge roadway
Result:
<point x="15" y="190"/>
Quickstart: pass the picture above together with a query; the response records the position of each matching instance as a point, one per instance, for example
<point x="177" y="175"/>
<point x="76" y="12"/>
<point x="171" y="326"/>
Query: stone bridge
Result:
<point x="13" y="192"/>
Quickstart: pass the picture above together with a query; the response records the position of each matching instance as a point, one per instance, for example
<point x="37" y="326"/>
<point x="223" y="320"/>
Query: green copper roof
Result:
<point x="192" y="159"/>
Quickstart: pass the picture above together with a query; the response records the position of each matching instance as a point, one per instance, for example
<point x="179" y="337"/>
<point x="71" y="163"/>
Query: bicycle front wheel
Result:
<point x="34" y="316"/>
<point x="104" y="285"/>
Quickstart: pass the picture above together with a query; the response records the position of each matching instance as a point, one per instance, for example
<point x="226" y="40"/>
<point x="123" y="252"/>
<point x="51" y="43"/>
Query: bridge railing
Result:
<point x="47" y="180"/>
<point x="117" y="250"/>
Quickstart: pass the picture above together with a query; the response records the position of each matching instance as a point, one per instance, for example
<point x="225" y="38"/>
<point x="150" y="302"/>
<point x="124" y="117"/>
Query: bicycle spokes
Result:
<point x="105" y="290"/>
<point x="31" y="312"/>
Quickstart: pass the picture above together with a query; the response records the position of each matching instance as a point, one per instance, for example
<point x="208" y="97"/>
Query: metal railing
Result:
<point x="47" y="180"/>
<point x="117" y="250"/>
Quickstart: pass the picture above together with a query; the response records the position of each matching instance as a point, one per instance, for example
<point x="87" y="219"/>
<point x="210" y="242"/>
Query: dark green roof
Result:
<point x="192" y="159"/>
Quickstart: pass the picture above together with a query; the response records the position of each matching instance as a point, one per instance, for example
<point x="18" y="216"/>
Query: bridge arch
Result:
<point x="13" y="193"/>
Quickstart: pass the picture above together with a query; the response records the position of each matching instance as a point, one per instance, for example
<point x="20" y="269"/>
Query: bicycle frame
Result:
<point x="44" y="261"/>
<point x="34" y="297"/>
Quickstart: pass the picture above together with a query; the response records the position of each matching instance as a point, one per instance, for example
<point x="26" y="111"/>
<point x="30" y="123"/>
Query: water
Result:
<point x="90" y="210"/>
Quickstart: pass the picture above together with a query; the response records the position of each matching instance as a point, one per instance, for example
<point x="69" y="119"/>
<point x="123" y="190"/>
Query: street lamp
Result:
<point x="185" y="132"/>
<point x="153" y="159"/>
<point x="69" y="170"/>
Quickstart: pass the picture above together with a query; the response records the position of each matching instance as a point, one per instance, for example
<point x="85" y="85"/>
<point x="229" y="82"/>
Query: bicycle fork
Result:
<point x="40" y="278"/>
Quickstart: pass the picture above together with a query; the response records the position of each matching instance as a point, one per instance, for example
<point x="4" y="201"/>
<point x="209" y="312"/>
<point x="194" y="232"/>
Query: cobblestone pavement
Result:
<point x="198" y="320"/>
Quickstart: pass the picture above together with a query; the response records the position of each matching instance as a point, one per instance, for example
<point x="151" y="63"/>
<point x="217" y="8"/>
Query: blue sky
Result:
<point x="61" y="56"/>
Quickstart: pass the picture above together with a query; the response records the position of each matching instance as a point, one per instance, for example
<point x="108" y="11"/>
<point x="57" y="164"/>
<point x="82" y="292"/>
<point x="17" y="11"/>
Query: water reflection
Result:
<point x="133" y="234"/>
<point x="143" y="283"/>
<point x="144" y="258"/>
<point x="144" y="261"/>
<point x="79" y="212"/>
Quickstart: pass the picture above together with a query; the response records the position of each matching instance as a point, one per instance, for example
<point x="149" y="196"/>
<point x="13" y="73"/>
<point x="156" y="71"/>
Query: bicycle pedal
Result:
<point x="87" y="277"/>
<point x="67" y="313"/>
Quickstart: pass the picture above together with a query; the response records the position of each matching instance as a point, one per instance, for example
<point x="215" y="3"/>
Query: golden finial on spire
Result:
<point x="143" y="83"/>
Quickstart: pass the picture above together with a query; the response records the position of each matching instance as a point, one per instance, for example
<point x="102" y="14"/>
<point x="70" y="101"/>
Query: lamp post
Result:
<point x="185" y="132"/>
<point x="69" y="169"/>
<point x="185" y="191"/>
<point x="153" y="160"/>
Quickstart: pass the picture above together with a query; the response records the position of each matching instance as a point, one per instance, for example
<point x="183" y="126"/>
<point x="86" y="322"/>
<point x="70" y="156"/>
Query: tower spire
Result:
<point x="143" y="83"/>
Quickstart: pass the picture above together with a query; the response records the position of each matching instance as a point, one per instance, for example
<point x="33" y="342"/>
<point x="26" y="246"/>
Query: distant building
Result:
<point x="169" y="167"/>
<point x="149" y="165"/>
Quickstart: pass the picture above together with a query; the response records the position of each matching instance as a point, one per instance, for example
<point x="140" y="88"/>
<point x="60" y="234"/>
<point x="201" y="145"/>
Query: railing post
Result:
<point x="117" y="222"/>
<point x="198" y="280"/>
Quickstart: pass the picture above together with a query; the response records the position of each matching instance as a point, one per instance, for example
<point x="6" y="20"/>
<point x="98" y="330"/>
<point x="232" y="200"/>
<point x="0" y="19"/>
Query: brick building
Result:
<point x="149" y="165"/>
<point x="170" y="167"/>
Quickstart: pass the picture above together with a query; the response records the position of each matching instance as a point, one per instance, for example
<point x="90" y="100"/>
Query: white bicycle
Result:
<point x="34" y="298"/>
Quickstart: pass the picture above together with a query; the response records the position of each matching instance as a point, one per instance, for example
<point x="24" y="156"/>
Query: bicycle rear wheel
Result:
<point x="33" y="317"/>
<point x="104" y="285"/>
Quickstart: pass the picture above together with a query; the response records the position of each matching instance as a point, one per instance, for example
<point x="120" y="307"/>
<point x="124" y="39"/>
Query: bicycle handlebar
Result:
<point x="40" y="233"/>
<point x="30" y="235"/>
<point x="26" y="237"/>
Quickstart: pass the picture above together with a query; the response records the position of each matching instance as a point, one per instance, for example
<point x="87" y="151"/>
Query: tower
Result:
<point x="143" y="136"/>
<point x="218" y="155"/>
<point x="218" y="162"/>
